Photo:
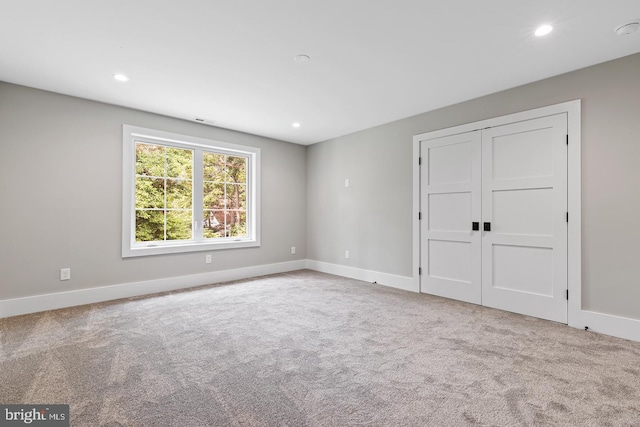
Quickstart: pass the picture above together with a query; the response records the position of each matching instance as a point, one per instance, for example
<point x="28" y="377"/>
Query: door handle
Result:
<point x="487" y="226"/>
<point x="475" y="226"/>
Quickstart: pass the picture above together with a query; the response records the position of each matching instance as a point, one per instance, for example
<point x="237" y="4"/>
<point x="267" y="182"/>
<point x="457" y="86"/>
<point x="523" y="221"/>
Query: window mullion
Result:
<point x="198" y="195"/>
<point x="248" y="188"/>
<point x="166" y="212"/>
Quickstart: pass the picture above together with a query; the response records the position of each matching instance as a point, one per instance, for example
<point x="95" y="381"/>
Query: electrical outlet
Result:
<point x="346" y="182"/>
<point x="346" y="254"/>
<point x="207" y="259"/>
<point x="65" y="274"/>
<point x="293" y="250"/>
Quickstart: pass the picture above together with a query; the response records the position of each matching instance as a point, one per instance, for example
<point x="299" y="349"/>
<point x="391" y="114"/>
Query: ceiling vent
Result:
<point x="204" y="121"/>
<point x="628" y="28"/>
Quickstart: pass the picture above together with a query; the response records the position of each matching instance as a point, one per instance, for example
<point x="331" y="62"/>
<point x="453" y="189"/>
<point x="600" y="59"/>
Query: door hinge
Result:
<point x="567" y="139"/>
<point x="419" y="215"/>
<point x="567" y="294"/>
<point x="567" y="216"/>
<point x="419" y="271"/>
<point x="419" y="160"/>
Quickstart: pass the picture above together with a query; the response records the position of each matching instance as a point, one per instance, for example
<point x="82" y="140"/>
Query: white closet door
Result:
<point x="524" y="199"/>
<point x="450" y="203"/>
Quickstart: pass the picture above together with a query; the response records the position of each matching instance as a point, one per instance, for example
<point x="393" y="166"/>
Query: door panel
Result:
<point x="524" y="211"/>
<point x="449" y="163"/>
<point x="449" y="211"/>
<point x="450" y="260"/>
<point x="524" y="196"/>
<point x="450" y="202"/>
<point x="523" y="269"/>
<point x="527" y="153"/>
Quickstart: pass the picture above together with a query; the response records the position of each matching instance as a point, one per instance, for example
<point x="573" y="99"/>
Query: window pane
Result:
<point x="213" y="196"/>
<point x="213" y="166"/>
<point x="149" y="226"/>
<point x="149" y="193"/>
<point x="236" y="169"/>
<point x="213" y="224"/>
<point x="149" y="159"/>
<point x="238" y="226"/>
<point x="224" y="224"/>
<point x="178" y="225"/>
<point x="243" y="197"/>
<point x="236" y="196"/>
<point x="179" y="163"/>
<point x="179" y="194"/>
<point x="225" y="218"/>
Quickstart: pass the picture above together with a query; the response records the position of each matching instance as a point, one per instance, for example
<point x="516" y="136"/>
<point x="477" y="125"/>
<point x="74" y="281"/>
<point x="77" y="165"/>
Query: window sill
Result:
<point x="139" y="250"/>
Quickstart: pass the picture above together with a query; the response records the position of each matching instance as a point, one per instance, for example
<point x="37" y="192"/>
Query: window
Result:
<point x="184" y="194"/>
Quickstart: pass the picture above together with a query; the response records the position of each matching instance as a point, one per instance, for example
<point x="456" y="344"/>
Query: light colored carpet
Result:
<point x="310" y="349"/>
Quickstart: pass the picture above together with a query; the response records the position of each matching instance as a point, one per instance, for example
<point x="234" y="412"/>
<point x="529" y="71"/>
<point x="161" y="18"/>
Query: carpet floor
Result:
<point x="311" y="349"/>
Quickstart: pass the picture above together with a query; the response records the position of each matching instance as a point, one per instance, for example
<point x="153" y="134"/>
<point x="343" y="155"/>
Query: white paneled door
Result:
<point x="524" y="203"/>
<point x="451" y="202"/>
<point x="494" y="205"/>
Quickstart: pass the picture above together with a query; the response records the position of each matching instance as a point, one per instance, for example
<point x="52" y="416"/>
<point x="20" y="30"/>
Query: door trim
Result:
<point x="575" y="313"/>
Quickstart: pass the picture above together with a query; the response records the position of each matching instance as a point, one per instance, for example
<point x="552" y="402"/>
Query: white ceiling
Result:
<point x="232" y="62"/>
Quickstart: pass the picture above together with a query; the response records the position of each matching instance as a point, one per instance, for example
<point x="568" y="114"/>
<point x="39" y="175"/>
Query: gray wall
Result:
<point x="61" y="193"/>
<point x="373" y="218"/>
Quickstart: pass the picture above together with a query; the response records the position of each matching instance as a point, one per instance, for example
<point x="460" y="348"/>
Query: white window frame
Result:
<point x="131" y="248"/>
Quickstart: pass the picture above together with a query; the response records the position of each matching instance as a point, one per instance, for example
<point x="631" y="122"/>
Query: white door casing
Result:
<point x="450" y="201"/>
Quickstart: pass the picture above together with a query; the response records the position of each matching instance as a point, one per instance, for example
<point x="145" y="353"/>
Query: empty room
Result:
<point x="296" y="213"/>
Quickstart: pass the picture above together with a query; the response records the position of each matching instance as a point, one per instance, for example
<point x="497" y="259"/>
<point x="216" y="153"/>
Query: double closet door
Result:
<point x="494" y="217"/>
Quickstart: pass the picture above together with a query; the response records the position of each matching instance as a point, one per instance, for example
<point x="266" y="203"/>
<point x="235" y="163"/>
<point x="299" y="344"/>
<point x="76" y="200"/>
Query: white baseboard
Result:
<point x="392" y="280"/>
<point x="33" y="304"/>
<point x="621" y="327"/>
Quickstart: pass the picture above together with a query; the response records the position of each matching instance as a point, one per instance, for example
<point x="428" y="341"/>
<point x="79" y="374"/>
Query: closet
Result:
<point x="493" y="207"/>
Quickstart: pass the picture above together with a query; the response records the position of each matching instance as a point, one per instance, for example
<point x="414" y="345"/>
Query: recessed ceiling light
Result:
<point x="296" y="125"/>
<point x="543" y="30"/>
<point x="302" y="58"/>
<point x="121" y="77"/>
